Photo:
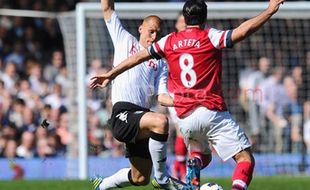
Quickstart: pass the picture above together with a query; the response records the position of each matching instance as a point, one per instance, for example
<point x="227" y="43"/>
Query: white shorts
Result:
<point x="205" y="127"/>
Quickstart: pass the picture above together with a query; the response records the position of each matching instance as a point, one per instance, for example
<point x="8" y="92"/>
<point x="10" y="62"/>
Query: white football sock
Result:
<point x="158" y="151"/>
<point x="117" y="180"/>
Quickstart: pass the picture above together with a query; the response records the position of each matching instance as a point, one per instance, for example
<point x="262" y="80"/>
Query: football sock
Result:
<point x="180" y="147"/>
<point x="118" y="180"/>
<point x="242" y="175"/>
<point x="158" y="151"/>
<point x="179" y="167"/>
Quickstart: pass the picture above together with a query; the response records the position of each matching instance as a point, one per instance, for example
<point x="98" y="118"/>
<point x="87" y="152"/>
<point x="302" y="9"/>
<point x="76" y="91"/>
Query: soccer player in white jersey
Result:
<point x="144" y="132"/>
<point x="195" y="66"/>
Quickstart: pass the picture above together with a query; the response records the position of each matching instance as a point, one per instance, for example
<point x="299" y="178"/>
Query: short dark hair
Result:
<point x="195" y="12"/>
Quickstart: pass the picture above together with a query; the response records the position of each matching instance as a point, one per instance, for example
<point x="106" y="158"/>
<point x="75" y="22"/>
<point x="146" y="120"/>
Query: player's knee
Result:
<point x="162" y="125"/>
<point x="141" y="180"/>
<point x="245" y="156"/>
<point x="206" y="160"/>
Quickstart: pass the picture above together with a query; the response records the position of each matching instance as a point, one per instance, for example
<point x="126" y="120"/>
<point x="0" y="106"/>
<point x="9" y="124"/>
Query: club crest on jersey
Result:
<point x="123" y="116"/>
<point x="153" y="64"/>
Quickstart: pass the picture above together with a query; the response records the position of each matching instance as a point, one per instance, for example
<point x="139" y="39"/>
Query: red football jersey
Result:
<point x="194" y="58"/>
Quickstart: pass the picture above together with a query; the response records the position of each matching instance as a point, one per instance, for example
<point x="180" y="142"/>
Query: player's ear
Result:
<point x="140" y="29"/>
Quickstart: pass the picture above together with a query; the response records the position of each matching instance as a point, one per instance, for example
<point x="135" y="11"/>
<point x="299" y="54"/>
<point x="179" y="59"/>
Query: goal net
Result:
<point x="284" y="41"/>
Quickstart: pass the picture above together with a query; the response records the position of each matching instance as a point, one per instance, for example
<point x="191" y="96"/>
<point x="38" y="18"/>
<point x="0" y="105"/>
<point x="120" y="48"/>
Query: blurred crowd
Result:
<point x="34" y="82"/>
<point x="276" y="102"/>
<point x="33" y="76"/>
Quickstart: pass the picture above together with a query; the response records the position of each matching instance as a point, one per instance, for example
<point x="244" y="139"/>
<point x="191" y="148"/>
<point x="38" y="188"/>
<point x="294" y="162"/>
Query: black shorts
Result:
<point x="125" y="123"/>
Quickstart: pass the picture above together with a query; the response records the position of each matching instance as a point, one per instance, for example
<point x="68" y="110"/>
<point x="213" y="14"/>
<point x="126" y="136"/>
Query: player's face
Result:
<point x="149" y="32"/>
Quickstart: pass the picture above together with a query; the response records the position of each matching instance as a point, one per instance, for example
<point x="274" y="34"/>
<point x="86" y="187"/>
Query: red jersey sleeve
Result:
<point x="220" y="38"/>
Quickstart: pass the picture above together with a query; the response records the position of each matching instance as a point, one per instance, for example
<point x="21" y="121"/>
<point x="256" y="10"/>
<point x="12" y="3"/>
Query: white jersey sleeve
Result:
<point x="116" y="29"/>
<point x="161" y="78"/>
<point x="124" y="43"/>
<point x="220" y="38"/>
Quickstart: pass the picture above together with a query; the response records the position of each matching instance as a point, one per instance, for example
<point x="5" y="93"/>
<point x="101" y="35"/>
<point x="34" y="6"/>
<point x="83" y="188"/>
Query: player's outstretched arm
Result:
<point x="107" y="7"/>
<point x="252" y="25"/>
<point x="104" y="79"/>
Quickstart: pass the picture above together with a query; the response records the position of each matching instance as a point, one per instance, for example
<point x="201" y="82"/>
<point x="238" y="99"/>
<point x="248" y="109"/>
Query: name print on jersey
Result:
<point x="186" y="42"/>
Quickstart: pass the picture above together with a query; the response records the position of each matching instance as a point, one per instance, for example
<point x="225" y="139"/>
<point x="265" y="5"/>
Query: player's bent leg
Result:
<point x="155" y="125"/>
<point x="141" y="169"/>
<point x="153" y="122"/>
<point x="243" y="173"/>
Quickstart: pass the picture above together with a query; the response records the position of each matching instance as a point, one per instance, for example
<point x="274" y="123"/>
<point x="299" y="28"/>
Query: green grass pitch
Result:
<point x="258" y="183"/>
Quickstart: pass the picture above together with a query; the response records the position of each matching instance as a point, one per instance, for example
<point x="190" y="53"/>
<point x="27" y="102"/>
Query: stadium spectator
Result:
<point x="10" y="76"/>
<point x="95" y="134"/>
<point x="52" y="69"/>
<point x="275" y="99"/>
<point x="41" y="133"/>
<point x="43" y="149"/>
<point x="25" y="149"/>
<point x="293" y="114"/>
<point x="54" y="141"/>
<point x="10" y="149"/>
<point x="17" y="56"/>
<point x="251" y="96"/>
<point x="15" y="114"/>
<point x="34" y="73"/>
<point x="63" y="129"/>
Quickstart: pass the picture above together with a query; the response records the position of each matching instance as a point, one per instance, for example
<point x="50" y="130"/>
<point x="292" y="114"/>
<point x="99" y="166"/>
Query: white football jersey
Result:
<point x="142" y="83"/>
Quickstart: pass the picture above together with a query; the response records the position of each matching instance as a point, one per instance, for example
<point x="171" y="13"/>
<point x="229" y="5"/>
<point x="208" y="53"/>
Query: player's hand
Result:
<point x="165" y="100"/>
<point x="100" y="81"/>
<point x="274" y="5"/>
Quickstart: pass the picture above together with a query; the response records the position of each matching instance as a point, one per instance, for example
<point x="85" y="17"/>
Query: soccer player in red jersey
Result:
<point x="195" y="66"/>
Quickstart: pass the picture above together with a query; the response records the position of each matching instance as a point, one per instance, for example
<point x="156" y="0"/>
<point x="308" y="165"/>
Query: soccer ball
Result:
<point x="211" y="186"/>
